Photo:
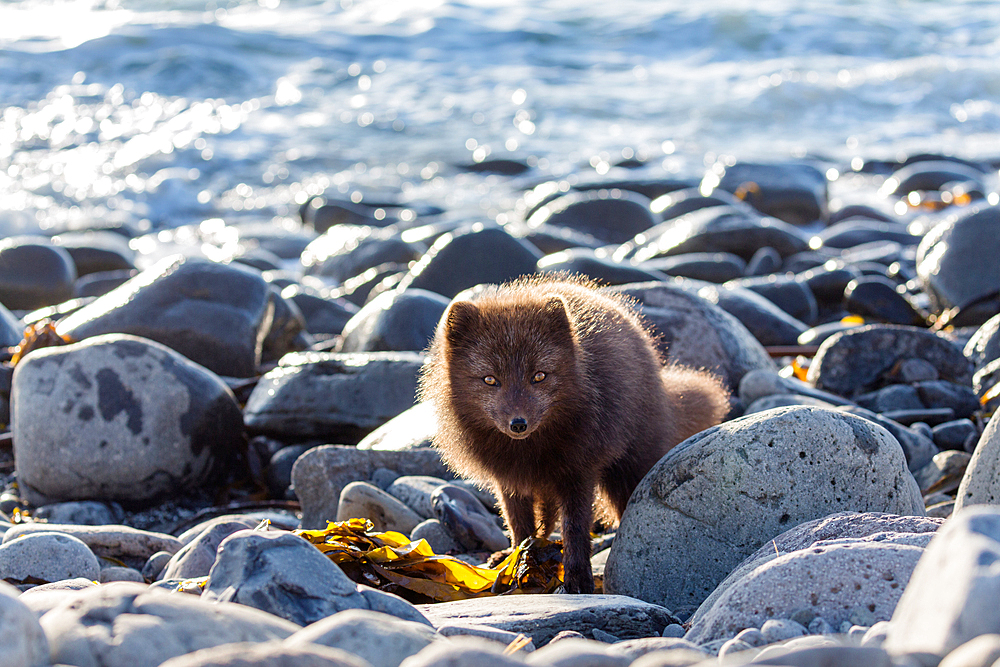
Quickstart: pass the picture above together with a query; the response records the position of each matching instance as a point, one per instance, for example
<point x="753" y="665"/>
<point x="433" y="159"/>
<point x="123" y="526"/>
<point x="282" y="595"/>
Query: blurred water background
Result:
<point x="167" y="112"/>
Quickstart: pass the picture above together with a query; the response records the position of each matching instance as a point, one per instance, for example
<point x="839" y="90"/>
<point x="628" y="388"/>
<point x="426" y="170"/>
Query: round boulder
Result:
<point x="47" y="557"/>
<point x="118" y="418"/>
<point x="22" y="641"/>
<point x="718" y="496"/>
<point x="34" y="273"/>
<point x="397" y="320"/>
<point x="613" y="216"/>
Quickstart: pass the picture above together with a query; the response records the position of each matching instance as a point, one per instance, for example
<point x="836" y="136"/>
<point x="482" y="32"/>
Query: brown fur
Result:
<point x="605" y="412"/>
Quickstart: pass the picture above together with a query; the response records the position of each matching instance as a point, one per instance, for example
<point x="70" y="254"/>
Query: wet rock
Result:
<point x="944" y="258"/>
<point x="11" y="330"/>
<point x="214" y="314"/>
<point x="981" y="483"/>
<point x="542" y="617"/>
<point x="361" y="500"/>
<point x="124" y="623"/>
<point x="694" y="332"/>
<point x="165" y="422"/>
<point x="22" y="642"/>
<point x="984" y="346"/>
<point x="828" y="282"/>
<point x="471" y="524"/>
<point x="34" y="273"/>
<point x="463" y="652"/>
<point x="792" y="296"/>
<point x="941" y="394"/>
<point x="415" y="491"/>
<point x="713" y="267"/>
<point x="99" y="284"/>
<point x="195" y="559"/>
<point x="266" y="654"/>
<point x="943" y="473"/>
<point x="955" y="434"/>
<point x="47" y="557"/>
<point x="916" y="370"/>
<point x="411" y="429"/>
<point x="330" y="395"/>
<point x="856" y="231"/>
<point x="951" y="596"/>
<point x="345" y="251"/>
<point x="81" y="513"/>
<point x="395" y="321"/>
<point x="468" y="257"/>
<point x="323" y="314"/>
<point x="876" y="298"/>
<point x="320" y="475"/>
<point x="855" y="361"/>
<point x="322" y="213"/>
<point x="675" y="204"/>
<point x="755" y="477"/>
<point x="437" y="536"/>
<point x="577" y="652"/>
<point x="97" y="251"/>
<point x="768" y="323"/>
<point x="789" y="191"/>
<point x="380" y="639"/>
<point x="613" y="216"/>
<point x="928" y="175"/>
<point x="596" y="265"/>
<point x="550" y="238"/>
<point x="765" y="261"/>
<point x="122" y="543"/>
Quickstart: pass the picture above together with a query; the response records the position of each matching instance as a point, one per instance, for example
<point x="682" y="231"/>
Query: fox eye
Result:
<point x="539" y="376"/>
<point x="491" y="381"/>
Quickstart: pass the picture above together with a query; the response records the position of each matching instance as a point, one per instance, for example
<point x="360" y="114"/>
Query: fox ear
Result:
<point x="459" y="319"/>
<point x="556" y="310"/>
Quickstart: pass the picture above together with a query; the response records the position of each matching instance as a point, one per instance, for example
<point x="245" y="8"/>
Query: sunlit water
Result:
<point x="166" y="112"/>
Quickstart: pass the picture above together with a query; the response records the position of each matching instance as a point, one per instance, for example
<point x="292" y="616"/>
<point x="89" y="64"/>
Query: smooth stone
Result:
<point x="929" y="175"/>
<point x="713" y="267"/>
<point x="542" y="617"/>
<point x="761" y="383"/>
<point x="981" y="651"/>
<point x="411" y="429"/>
<point x="266" y="654"/>
<point x="918" y="447"/>
<point x="361" y="500"/>
<point x="322" y="213"/>
<point x="951" y="597"/>
<point x="81" y="513"/>
<point x="550" y="238"/>
<point x="678" y="657"/>
<point x="731" y="647"/>
<point x="839" y="528"/>
<point x="828" y="281"/>
<point x="596" y="265"/>
<point x="437" y="535"/>
<point x="278" y="473"/>
<point x="854" y="361"/>
<point x="752" y="636"/>
<point x="155" y="565"/>
<point x="320" y="475"/>
<point x="694" y="332"/>
<point x="214" y="314"/>
<point x="166" y="423"/>
<point x="675" y="204"/>
<point x="344" y="251"/>
<point x="790" y="295"/>
<point x="195" y="558"/>
<point x="634" y="649"/>
<point x="95" y="251"/>
<point x="284" y="575"/>
<point x="463" y="652"/>
<point x="764" y="262"/>
<point x="123" y="543"/>
<point x="577" y="653"/>
<point x="415" y="491"/>
<point x="970" y="239"/>
<point x="467" y="520"/>
<point x="342" y="397"/>
<point x="980" y="484"/>
<point x="783" y="401"/>
<point x="944" y="473"/>
<point x="718" y="496"/>
<point x="791" y="191"/>
<point x="11" y="329"/>
<point x="484" y="632"/>
<point x="379" y="639"/>
<point x="47" y="557"/>
<point x="916" y="370"/>
<point x="322" y="314"/>
<point x="397" y="320"/>
<point x="876" y="298"/>
<point x="471" y="256"/>
<point x="34" y="273"/>
<point x="768" y="323"/>
<point x="781" y="629"/>
<point x="826" y="655"/>
<point x="984" y="345"/>
<point x="612" y="216"/>
<point x="893" y="397"/>
<point x="287" y="332"/>
<point x="943" y="394"/>
<point x="855" y="231"/>
<point x="22" y="642"/>
<point x="118" y="573"/>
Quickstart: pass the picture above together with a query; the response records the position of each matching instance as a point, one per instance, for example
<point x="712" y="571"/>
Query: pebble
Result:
<point x="379" y="639"/>
<point x="22" y="641"/>
<point x="612" y="216"/>
<point x="34" y="273"/>
<point x="364" y="500"/>
<point x="397" y="320"/>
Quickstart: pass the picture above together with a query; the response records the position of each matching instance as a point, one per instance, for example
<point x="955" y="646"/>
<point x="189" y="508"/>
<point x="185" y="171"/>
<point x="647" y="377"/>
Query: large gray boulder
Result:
<point x="720" y="495"/>
<point x="122" y="543"/>
<point x="118" y="418"/>
<point x="981" y="482"/>
<point x="47" y="557"/>
<point x="22" y="642"/>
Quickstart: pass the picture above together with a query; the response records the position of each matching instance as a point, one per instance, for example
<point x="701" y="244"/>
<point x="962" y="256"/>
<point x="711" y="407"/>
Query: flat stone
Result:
<point x="379" y="639"/>
<point x="397" y="320"/>
<point x="720" y="495"/>
<point x="266" y="654"/>
<point x="118" y="542"/>
<point x="542" y="617"/>
<point x="955" y="434"/>
<point x="34" y="273"/>
<point x="941" y="394"/>
<point x="980" y="484"/>
<point x="342" y="397"/>
<point x="320" y="475"/>
<point x="22" y="642"/>
<point x="361" y="500"/>
<point x="46" y="557"/>
<point x="876" y="298"/>
<point x="951" y="597"/>
<point x="118" y="418"/>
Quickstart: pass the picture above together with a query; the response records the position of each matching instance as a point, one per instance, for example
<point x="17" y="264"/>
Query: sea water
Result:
<point x="159" y="113"/>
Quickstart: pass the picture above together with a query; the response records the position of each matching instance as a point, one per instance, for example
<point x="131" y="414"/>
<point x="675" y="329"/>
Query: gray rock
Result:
<point x="484" y="632"/>
<point x="381" y="640"/>
<point x="320" y="475"/>
<point x="195" y="559"/>
<point x="955" y="434"/>
<point x="122" y="543"/>
<point x="893" y="397"/>
<point x="34" y="273"/>
<point x="674" y="630"/>
<point x="463" y="652"/>
<point x="604" y="637"/>
<point x="155" y="565"/>
<point x="944" y="473"/>
<point x="824" y="656"/>
<point x="467" y="520"/>
<point x="437" y="536"/>
<point x="612" y="216"/>
<point x="918" y="447"/>
<point x="781" y="629"/>
<point x="764" y="382"/>
<point x="278" y="473"/>
<point x="125" y="624"/>
<point x="754" y="637"/>
<point x="266" y="654"/>
<point x="678" y="657"/>
<point x="283" y="574"/>
<point x="784" y="401"/>
<point x="415" y="491"/>
<point x="342" y="397"/>
<point x="768" y="323"/>
<point x="165" y="422"/>
<point x="733" y="646"/>
<point x="577" y="653"/>
<point x="395" y="321"/>
<point x="47" y="557"/>
<point x="542" y="617"/>
<point x="853" y="362"/>
<point x="194" y="532"/>
<point x="984" y="346"/>
<point x="411" y="429"/>
<point x="981" y="483"/>
<point x="717" y="497"/>
<point x="951" y="597"/>
<point x="81" y="513"/>
<point x="361" y="500"/>
<point x="11" y="330"/>
<point x="119" y="573"/>
<point x="22" y="642"/>
<point x="981" y="651"/>
<point x="875" y="635"/>
<point x="636" y="648"/>
<point x="43" y="598"/>
<point x="839" y="528"/>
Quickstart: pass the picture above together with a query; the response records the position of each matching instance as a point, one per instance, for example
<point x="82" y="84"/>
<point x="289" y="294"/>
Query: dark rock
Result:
<point x="11" y="329"/>
<point x="471" y="524"/>
<point x="875" y="297"/>
<point x="278" y="473"/>
<point x="816" y="335"/>
<point x="954" y="434"/>
<point x="856" y="361"/>
<point x="791" y="295"/>
<point x="920" y="418"/>
<point x="34" y="273"/>
<point x="595" y="264"/>
<point x="500" y="166"/>
<point x="677" y="203"/>
<point x="395" y="321"/>
<point x="862" y="211"/>
<point x="322" y="214"/>
<point x="893" y="397"/>
<point x="806" y="260"/>
<point x="287" y="331"/>
<point x="119" y="418"/>
<point x="470" y="257"/>
<point x="214" y="314"/>
<point x="944" y="473"/>
<point x="715" y="267"/>
<point x="971" y="239"/>
<point x="549" y="238"/>
<point x="323" y="315"/>
<point x="374" y="281"/>
<point x="81" y="513"/>
<point x="96" y="251"/>
<point x="345" y="251"/>
<point x="929" y="175"/>
<point x="764" y="262"/>
<point x="854" y="232"/>
<point x="941" y="394"/>
<point x="99" y="284"/>
<point x="790" y="191"/>
<point x="650" y="188"/>
<point x="768" y="323"/>
<point x="256" y="258"/>
<point x="613" y="216"/>
<point x="984" y="346"/>
<point x="195" y="559"/>
<point x="282" y="237"/>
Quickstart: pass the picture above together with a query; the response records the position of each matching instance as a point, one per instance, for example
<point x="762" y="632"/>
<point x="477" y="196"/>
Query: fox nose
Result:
<point x="518" y="425"/>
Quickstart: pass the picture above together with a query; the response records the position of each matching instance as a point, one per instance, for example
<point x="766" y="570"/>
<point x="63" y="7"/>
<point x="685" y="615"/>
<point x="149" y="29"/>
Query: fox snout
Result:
<point x="518" y="425"/>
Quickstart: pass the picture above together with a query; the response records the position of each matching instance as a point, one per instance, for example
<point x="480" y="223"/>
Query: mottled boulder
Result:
<point x="720" y="495"/>
<point x="980" y="484"/>
<point x="395" y="321"/>
<point x="122" y="543"/>
<point x="22" y="642"/>
<point x="34" y="273"/>
<point x="342" y="397"/>
<point x="214" y="314"/>
<point x="613" y="216"/>
<point x="118" y="418"/>
<point x="47" y="557"/>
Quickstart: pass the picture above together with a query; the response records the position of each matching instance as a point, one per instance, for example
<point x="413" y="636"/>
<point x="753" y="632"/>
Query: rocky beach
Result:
<point x="211" y="336"/>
